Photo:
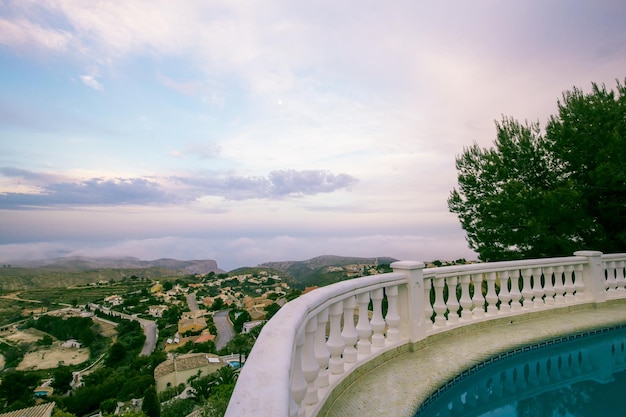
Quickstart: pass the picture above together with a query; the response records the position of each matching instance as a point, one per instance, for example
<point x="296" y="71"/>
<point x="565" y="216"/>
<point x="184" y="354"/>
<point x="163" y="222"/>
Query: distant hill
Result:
<point x="315" y="271"/>
<point x="79" y="270"/>
<point x="82" y="263"/>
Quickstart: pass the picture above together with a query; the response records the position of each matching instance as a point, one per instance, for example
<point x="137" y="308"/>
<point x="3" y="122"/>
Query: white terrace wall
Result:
<point x="313" y="344"/>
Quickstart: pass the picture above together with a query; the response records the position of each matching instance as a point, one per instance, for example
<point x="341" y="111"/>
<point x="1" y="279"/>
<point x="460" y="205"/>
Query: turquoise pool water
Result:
<point x="580" y="375"/>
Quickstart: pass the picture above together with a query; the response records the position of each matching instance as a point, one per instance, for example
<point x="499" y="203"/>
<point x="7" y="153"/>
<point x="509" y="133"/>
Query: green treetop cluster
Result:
<point x="543" y="193"/>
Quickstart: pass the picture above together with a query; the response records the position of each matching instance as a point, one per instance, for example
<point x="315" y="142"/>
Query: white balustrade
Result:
<point x="548" y="287"/>
<point x="378" y="322"/>
<point x="569" y="282"/>
<point x="559" y="287"/>
<point x="440" y="305"/>
<point x="310" y="366"/>
<point x="298" y="383"/>
<point x="363" y="327"/>
<point x="312" y="344"/>
<point x="322" y="354"/>
<point x="428" y="307"/>
<point x="505" y="294"/>
<point x="620" y="276"/>
<point x="516" y="295"/>
<point x="537" y="288"/>
<point x="453" y="303"/>
<point x="491" y="297"/>
<point x="611" y="279"/>
<point x="349" y="333"/>
<point x="466" y="300"/>
<point x="392" y="318"/>
<point x="527" y="289"/>
<point x="335" y="340"/>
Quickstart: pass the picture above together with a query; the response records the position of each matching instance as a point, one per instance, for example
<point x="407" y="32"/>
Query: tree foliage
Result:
<point x="62" y="379"/>
<point x="82" y="329"/>
<point x="150" y="405"/>
<point x="177" y="408"/>
<point x="588" y="138"/>
<point x="540" y="194"/>
<point x="16" y="389"/>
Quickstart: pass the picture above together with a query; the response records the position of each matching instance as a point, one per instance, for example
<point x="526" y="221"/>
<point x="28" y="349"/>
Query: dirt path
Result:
<point x="2" y="362"/>
<point x="15" y="296"/>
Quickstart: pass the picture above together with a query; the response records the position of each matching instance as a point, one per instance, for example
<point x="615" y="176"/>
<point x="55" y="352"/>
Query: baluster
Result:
<point x="576" y="365"/>
<point x="440" y="305"/>
<point x="611" y="280"/>
<point x="620" y="277"/>
<point x="491" y="296"/>
<point x="363" y="328"/>
<point x="555" y="369"/>
<point x="497" y="388"/>
<point x="579" y="283"/>
<point x="478" y="299"/>
<point x="298" y="383"/>
<point x="378" y="322"/>
<point x="620" y="352"/>
<point x="322" y="354"/>
<point x="548" y="287"/>
<point x="521" y="383"/>
<point x="566" y="369"/>
<point x="453" y="303"/>
<point x="510" y="380"/>
<point x="310" y="366"/>
<point x="335" y="341"/>
<point x="466" y="300"/>
<point x="569" y="283"/>
<point x="349" y="333"/>
<point x="533" y="374"/>
<point x="428" y="308"/>
<point x="505" y="295"/>
<point x="482" y="391"/>
<point x="559" y="287"/>
<point x="537" y="288"/>
<point x="516" y="295"/>
<point x="543" y="377"/>
<point x="527" y="290"/>
<point x="392" y="318"/>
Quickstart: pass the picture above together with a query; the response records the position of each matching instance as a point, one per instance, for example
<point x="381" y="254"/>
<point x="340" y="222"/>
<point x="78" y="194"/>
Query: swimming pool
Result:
<point x="575" y="375"/>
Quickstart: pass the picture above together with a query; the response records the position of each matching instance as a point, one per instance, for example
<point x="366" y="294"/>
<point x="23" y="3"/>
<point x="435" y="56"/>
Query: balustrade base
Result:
<point x="417" y="370"/>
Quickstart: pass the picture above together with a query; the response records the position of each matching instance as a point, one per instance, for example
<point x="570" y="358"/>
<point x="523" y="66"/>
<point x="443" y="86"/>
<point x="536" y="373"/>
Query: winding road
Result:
<point x="225" y="331"/>
<point x="149" y="328"/>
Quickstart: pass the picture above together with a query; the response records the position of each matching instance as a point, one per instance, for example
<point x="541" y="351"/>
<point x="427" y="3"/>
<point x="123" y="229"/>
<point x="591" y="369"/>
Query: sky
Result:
<point x="249" y="132"/>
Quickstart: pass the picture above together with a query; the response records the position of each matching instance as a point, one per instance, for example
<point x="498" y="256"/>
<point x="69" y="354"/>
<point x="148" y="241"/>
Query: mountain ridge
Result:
<point x="83" y="263"/>
<point x="77" y="270"/>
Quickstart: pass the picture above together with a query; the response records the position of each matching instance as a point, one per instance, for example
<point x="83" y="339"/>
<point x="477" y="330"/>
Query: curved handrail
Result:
<point x="276" y="342"/>
<point x="313" y="344"/>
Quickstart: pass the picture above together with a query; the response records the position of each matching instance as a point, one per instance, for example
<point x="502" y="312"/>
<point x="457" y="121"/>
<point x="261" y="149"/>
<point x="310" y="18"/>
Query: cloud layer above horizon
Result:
<point x="273" y="130"/>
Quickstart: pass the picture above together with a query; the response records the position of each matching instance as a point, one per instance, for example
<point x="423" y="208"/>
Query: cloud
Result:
<point x="12" y="172"/>
<point x="24" y="35"/>
<point x="92" y="192"/>
<point x="92" y="82"/>
<point x="278" y="184"/>
<point x="138" y="191"/>
<point x="198" y="150"/>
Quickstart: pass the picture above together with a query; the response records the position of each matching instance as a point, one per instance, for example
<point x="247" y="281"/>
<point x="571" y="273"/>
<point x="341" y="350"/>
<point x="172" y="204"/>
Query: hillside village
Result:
<point x="184" y="312"/>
